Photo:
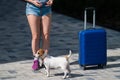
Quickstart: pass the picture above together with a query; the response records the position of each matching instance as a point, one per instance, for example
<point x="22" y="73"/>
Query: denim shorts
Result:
<point x="38" y="11"/>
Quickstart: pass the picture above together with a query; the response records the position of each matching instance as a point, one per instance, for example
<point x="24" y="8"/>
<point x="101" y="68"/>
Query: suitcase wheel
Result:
<point x="83" y="67"/>
<point x="101" y="65"/>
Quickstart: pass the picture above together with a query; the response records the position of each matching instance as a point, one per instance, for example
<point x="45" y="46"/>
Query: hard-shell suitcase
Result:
<point x="92" y="44"/>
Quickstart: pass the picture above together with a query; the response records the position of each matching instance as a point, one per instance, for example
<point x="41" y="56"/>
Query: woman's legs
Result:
<point x="34" y="23"/>
<point x="46" y="23"/>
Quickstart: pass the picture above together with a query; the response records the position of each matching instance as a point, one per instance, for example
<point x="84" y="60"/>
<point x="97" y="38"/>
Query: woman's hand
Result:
<point x="36" y="3"/>
<point x="49" y="3"/>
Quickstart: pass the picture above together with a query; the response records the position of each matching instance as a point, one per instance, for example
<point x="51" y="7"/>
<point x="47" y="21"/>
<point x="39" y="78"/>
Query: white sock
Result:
<point x="36" y="57"/>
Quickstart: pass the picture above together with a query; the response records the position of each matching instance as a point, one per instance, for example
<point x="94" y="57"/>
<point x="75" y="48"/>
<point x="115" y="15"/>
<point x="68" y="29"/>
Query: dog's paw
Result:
<point x="64" y="77"/>
<point x="68" y="76"/>
<point x="48" y="75"/>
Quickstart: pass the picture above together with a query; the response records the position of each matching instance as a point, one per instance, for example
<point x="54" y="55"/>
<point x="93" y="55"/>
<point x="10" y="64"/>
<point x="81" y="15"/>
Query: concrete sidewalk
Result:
<point x="16" y="56"/>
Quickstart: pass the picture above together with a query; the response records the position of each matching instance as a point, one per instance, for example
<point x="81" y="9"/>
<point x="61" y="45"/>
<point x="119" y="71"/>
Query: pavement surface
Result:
<point x="15" y="47"/>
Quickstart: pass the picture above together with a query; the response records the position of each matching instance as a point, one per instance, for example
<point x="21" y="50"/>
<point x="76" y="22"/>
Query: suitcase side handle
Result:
<point x="85" y="17"/>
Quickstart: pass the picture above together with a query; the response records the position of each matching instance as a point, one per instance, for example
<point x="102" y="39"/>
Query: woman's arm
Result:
<point x="35" y="2"/>
<point x="28" y="1"/>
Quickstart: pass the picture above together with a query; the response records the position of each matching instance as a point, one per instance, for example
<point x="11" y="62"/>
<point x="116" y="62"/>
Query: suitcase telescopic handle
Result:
<point x="85" y="17"/>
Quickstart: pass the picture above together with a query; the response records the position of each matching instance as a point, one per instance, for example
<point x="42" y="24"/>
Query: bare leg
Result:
<point x="34" y="22"/>
<point x="46" y="22"/>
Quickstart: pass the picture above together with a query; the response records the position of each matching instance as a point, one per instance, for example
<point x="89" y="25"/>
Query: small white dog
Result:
<point x="55" y="62"/>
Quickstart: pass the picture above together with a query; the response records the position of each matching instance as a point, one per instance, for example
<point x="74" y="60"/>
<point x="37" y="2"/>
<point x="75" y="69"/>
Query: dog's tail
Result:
<point x="68" y="56"/>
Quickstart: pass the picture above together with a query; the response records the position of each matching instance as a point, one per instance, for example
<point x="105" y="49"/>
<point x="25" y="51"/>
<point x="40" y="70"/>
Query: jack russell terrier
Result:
<point x="55" y="62"/>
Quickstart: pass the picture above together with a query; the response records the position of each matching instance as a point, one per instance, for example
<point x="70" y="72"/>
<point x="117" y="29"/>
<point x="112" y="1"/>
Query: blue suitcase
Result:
<point x="92" y="44"/>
